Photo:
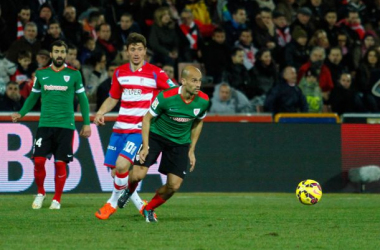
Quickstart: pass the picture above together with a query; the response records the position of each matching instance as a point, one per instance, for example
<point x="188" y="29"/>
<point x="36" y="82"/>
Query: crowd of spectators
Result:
<point x="256" y="55"/>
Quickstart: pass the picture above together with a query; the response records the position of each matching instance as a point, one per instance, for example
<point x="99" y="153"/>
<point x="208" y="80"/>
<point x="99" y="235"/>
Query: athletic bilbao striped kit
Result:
<point x="135" y="91"/>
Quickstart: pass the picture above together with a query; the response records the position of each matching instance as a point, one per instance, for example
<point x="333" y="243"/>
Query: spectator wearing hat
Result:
<point x="311" y="90"/>
<point x="297" y="52"/>
<point x="43" y="58"/>
<point x="316" y="63"/>
<point x="303" y="21"/>
<point x="286" y="96"/>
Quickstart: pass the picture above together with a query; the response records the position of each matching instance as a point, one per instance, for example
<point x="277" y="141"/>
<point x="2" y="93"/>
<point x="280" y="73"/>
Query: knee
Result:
<point x="138" y="173"/>
<point x="173" y="186"/>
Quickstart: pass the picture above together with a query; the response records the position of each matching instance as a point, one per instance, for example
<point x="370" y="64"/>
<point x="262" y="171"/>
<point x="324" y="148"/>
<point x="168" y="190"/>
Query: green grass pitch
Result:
<point x="195" y="221"/>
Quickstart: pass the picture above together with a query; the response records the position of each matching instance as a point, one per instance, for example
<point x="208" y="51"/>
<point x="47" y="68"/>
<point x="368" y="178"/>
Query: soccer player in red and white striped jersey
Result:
<point x="134" y="84"/>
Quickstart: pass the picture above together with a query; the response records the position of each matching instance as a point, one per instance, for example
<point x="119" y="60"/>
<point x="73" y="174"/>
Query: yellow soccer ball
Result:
<point x="309" y="192"/>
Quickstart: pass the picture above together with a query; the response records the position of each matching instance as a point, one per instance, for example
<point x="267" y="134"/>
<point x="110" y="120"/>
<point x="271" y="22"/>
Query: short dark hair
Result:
<point x="237" y="8"/>
<point x="127" y="14"/>
<point x="24" y="7"/>
<point x="94" y="15"/>
<point x="218" y="30"/>
<point x="54" y="21"/>
<point x="71" y="46"/>
<point x="97" y="28"/>
<point x="135" y="38"/>
<point x="58" y="43"/>
<point x="11" y="83"/>
<point x="24" y="54"/>
<point x="235" y="50"/>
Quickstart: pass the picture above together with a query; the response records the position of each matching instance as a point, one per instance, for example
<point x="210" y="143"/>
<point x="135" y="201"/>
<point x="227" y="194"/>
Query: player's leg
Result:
<point x="174" y="164"/>
<point x="114" y="148"/>
<point x="41" y="149"/>
<point x="63" y="153"/>
<point x="138" y="172"/>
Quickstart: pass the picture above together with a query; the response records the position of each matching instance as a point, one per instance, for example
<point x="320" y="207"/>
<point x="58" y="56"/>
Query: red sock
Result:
<point x="40" y="173"/>
<point x="132" y="186"/>
<point x="155" y="202"/>
<point x="60" y="179"/>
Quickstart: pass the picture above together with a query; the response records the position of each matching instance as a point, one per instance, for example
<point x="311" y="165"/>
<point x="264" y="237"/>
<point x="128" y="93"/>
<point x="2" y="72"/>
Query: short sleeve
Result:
<point x="116" y="89"/>
<point x="79" y="88"/>
<point x="157" y="105"/>
<point x="162" y="80"/>
<point x="203" y="113"/>
<point x="36" y="84"/>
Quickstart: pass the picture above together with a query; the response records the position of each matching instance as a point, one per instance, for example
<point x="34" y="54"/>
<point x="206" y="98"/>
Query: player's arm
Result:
<point x="106" y="107"/>
<point x="195" y="133"/>
<point x="114" y="96"/>
<point x="84" y="106"/>
<point x="85" y="110"/>
<point x="30" y="101"/>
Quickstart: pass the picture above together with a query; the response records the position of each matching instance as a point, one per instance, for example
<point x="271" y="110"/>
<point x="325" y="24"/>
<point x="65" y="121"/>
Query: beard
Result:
<point x="58" y="64"/>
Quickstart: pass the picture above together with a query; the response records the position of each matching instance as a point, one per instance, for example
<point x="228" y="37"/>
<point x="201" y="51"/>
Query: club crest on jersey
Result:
<point x="196" y="111"/>
<point x="66" y="78"/>
<point x="155" y="103"/>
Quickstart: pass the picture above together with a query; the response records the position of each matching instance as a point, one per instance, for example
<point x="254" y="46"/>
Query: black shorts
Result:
<point x="174" y="159"/>
<point x="54" y="141"/>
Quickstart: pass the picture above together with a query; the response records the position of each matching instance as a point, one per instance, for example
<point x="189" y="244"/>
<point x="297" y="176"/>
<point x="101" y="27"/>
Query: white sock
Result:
<point x="115" y="192"/>
<point x="137" y="200"/>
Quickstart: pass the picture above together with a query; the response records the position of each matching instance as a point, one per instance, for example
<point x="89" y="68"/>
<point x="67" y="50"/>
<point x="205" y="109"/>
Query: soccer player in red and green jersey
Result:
<point x="57" y="86"/>
<point x="171" y="127"/>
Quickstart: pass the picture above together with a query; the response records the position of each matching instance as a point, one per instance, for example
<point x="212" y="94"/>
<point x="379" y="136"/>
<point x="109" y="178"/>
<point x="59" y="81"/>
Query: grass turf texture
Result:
<point x="195" y="221"/>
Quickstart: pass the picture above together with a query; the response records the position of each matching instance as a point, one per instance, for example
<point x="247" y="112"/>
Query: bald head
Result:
<point x="191" y="79"/>
<point x="189" y="70"/>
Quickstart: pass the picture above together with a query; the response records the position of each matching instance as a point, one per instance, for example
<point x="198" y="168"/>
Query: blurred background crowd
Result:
<point x="255" y="55"/>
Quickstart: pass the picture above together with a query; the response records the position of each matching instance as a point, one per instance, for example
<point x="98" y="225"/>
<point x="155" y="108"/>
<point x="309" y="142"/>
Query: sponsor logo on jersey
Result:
<point x="112" y="148"/>
<point x="52" y="87"/>
<point x="141" y="81"/>
<point x="155" y="103"/>
<point x="196" y="111"/>
<point x="181" y="119"/>
<point x="66" y="78"/>
<point x="124" y="81"/>
<point x="132" y="91"/>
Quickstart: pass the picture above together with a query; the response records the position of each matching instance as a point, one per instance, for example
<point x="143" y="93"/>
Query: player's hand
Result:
<point x="143" y="153"/>
<point x="15" y="117"/>
<point x="99" y="119"/>
<point x="85" y="131"/>
<point x="192" y="160"/>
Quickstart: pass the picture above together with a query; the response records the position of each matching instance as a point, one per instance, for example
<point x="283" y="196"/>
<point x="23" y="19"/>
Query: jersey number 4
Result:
<point x="38" y="142"/>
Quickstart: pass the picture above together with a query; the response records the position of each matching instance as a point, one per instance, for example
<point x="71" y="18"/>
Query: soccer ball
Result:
<point x="309" y="192"/>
